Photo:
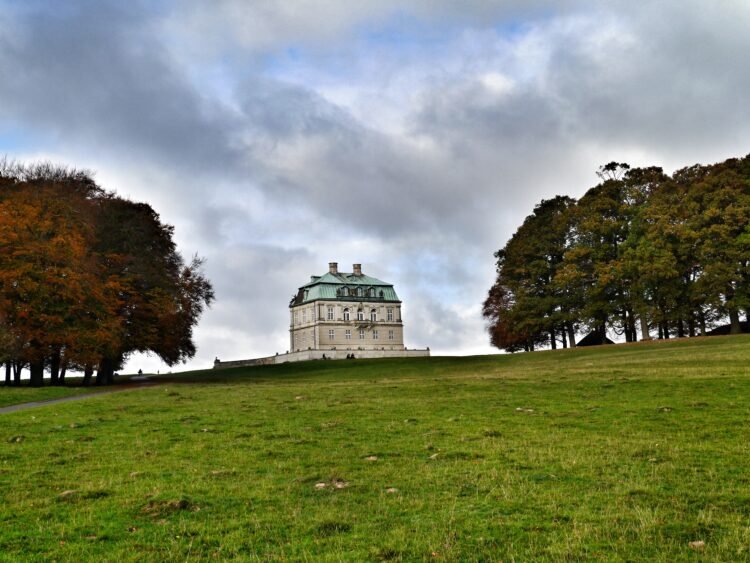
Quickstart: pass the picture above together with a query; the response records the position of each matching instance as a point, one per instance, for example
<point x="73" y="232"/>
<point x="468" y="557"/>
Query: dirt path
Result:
<point x="34" y="404"/>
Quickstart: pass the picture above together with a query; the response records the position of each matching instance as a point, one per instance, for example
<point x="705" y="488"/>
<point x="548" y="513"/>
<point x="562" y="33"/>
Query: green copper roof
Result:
<point x="345" y="287"/>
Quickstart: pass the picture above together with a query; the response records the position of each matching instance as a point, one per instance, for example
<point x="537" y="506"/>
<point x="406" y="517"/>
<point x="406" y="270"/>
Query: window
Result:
<point x="371" y="292"/>
<point x="331" y="334"/>
<point x="359" y="292"/>
<point x="346" y="314"/>
<point x="390" y="335"/>
<point x="389" y="314"/>
<point x="330" y="313"/>
<point x="361" y="334"/>
<point x="373" y="315"/>
<point x="381" y="294"/>
<point x="374" y="334"/>
<point x="348" y="334"/>
<point x="345" y="291"/>
<point x="304" y="317"/>
<point x="360" y="315"/>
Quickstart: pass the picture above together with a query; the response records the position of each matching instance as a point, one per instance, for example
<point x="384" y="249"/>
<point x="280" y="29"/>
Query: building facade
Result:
<point x="345" y="311"/>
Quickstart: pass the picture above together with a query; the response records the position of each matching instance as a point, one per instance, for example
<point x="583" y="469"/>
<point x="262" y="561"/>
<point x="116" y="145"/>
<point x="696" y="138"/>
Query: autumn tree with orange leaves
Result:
<point x="87" y="278"/>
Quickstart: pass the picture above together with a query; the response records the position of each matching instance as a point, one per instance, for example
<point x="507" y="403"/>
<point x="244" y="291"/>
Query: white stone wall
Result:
<point x="319" y="355"/>
<point x="311" y="326"/>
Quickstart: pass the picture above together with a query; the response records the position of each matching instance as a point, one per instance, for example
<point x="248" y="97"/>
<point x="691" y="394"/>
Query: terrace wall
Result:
<point x="305" y="355"/>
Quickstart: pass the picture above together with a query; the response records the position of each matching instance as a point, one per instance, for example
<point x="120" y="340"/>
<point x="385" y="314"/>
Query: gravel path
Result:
<point x="34" y="404"/>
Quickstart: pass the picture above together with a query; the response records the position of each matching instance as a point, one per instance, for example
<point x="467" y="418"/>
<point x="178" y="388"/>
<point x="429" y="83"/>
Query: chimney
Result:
<point x="357" y="269"/>
<point x="333" y="267"/>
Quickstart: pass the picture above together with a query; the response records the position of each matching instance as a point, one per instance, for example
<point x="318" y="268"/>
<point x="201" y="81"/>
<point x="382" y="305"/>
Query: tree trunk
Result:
<point x="17" y="369"/>
<point x="54" y="367"/>
<point x="734" y="321"/>
<point x="645" y="334"/>
<point x="680" y="328"/>
<point x="553" y="339"/>
<point x="571" y="335"/>
<point x="702" y="320"/>
<point x="63" y="369"/>
<point x="105" y="373"/>
<point x="602" y="332"/>
<point x="691" y="327"/>
<point x="631" y="325"/>
<point x="626" y="327"/>
<point x="88" y="371"/>
<point x="665" y="330"/>
<point x="8" y="379"/>
<point x="36" y="373"/>
<point x="564" y="339"/>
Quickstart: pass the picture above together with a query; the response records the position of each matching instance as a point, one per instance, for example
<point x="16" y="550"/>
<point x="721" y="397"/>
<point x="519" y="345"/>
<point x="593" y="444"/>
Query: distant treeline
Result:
<point x="87" y="278"/>
<point x="640" y="252"/>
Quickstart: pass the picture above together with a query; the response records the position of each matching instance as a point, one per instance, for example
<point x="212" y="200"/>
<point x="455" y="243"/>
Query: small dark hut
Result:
<point x="727" y="329"/>
<point x="594" y="339"/>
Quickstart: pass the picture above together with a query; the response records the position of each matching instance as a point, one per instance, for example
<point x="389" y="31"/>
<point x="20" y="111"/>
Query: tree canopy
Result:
<point x="88" y="277"/>
<point x="641" y="250"/>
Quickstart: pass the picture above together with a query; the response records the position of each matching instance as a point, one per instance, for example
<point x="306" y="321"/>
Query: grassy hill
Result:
<point x="621" y="452"/>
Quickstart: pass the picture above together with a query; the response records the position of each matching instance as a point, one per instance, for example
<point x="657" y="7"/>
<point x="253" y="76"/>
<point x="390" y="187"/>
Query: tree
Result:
<point x="49" y="291"/>
<point x="605" y="227"/>
<point x="721" y="198"/>
<point x="524" y="289"/>
<point x="87" y="278"/>
<point x="161" y="298"/>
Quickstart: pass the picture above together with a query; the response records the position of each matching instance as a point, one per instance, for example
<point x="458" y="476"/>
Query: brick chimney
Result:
<point x="333" y="267"/>
<point x="357" y="268"/>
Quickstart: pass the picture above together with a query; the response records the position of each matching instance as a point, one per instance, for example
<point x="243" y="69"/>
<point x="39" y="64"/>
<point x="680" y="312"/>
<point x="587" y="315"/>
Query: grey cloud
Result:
<point x="253" y="286"/>
<point x="267" y="24"/>
<point x="318" y="155"/>
<point x="94" y="74"/>
<point x="271" y="179"/>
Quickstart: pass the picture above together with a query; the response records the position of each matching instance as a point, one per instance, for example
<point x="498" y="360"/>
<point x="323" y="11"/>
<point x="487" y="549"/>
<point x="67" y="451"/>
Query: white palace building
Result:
<point x="342" y="315"/>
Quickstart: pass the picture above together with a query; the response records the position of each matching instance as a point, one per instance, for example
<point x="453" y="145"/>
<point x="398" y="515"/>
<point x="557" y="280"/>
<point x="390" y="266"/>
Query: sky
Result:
<point x="412" y="137"/>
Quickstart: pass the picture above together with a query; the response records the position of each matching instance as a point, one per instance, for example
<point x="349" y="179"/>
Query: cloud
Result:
<point x="93" y="74"/>
<point x="269" y="24"/>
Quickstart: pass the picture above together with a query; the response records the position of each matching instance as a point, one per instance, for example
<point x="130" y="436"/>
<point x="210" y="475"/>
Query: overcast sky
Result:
<point x="412" y="136"/>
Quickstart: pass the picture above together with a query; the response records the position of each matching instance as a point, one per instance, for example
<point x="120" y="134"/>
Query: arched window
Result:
<point x="345" y="291"/>
<point x="373" y="315"/>
<point x="371" y="292"/>
<point x="360" y="315"/>
<point x="346" y="314"/>
<point x="359" y="292"/>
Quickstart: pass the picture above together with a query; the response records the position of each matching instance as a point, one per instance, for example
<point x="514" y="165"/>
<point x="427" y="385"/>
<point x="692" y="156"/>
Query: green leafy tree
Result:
<point x="526" y="267"/>
<point x="721" y="200"/>
<point x="596" y="270"/>
<point x="161" y="298"/>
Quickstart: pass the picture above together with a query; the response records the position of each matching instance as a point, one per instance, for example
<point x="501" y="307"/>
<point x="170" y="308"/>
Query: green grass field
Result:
<point x="623" y="452"/>
<point x="15" y="395"/>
